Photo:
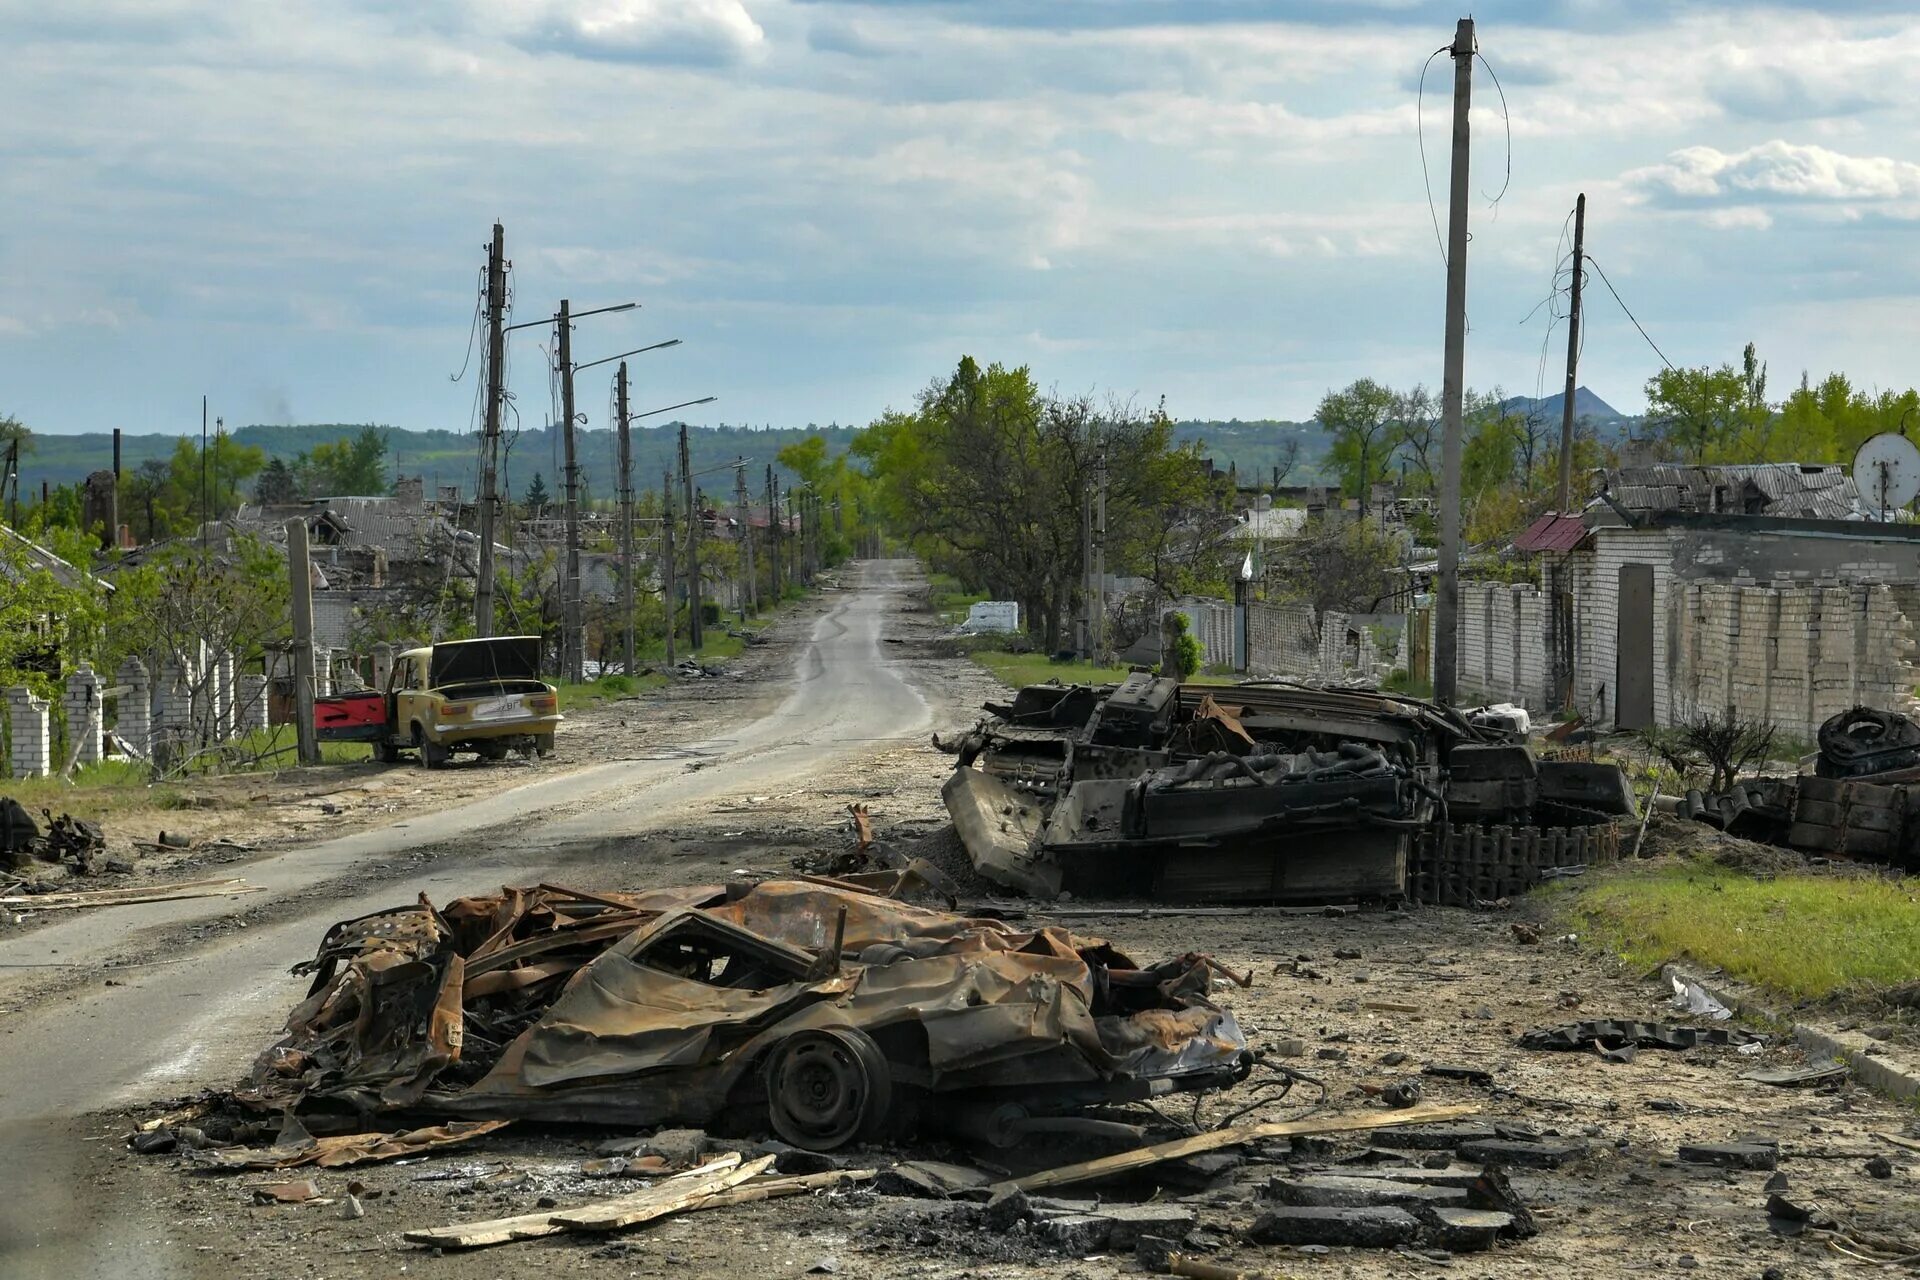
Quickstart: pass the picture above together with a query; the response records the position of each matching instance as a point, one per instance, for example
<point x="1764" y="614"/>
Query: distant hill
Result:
<point x="1254" y="448"/>
<point x="1585" y="405"/>
<point x="452" y="458"/>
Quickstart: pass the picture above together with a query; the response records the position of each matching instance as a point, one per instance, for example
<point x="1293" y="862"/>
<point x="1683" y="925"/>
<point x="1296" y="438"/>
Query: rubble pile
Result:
<point x="1269" y="792"/>
<point x="1862" y="801"/>
<point x="72" y="842"/>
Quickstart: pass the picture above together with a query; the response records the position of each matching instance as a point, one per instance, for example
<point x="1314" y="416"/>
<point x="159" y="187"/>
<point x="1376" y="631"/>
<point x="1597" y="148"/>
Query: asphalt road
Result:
<point x="199" y="1019"/>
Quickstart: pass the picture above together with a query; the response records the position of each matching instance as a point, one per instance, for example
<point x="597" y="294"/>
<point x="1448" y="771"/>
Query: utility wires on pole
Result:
<point x="1573" y="357"/>
<point x="490" y="443"/>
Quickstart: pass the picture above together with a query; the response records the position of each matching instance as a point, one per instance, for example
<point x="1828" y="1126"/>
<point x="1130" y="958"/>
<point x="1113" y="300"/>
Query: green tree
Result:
<point x="1363" y="420"/>
<point x="354" y="465"/>
<point x="277" y="485"/>
<point x="536" y="498"/>
<point x="1699" y="414"/>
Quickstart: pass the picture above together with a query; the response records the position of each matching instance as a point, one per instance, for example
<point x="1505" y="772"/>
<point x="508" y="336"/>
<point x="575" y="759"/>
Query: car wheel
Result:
<point x="432" y="754"/>
<point x="826" y="1088"/>
<point x="543" y="744"/>
<point x="386" y="753"/>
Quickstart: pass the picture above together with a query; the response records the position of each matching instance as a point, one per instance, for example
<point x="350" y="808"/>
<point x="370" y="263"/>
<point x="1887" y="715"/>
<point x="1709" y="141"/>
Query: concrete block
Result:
<point x="1354" y="1193"/>
<point x="1466" y="1230"/>
<point x="1732" y="1155"/>
<point x="1379" y="1228"/>
<point x="1548" y="1154"/>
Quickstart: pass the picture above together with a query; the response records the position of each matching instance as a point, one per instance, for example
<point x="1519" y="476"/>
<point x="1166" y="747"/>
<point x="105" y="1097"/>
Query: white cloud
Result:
<point x="1781" y="170"/>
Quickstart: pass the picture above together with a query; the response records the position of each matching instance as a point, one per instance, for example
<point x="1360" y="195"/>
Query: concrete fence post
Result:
<point x="223" y="697"/>
<point x="32" y="741"/>
<point x="82" y="707"/>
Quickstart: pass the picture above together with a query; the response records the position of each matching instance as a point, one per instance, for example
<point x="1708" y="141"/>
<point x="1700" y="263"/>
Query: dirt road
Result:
<point x="215" y="993"/>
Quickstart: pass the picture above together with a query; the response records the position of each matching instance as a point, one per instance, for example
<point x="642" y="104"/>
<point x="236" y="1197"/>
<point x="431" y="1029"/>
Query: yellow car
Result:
<point x="484" y="696"/>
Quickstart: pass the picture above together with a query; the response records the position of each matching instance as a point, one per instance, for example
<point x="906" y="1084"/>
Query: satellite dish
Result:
<point x="1886" y="471"/>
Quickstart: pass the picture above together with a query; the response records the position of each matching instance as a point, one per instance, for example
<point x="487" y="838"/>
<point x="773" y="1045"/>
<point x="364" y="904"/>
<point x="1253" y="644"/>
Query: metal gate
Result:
<point x="1633" y="652"/>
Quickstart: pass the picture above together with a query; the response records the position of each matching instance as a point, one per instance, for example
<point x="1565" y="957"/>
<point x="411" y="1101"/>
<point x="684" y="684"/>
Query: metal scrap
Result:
<point x="1268" y="792"/>
<point x="741" y="1004"/>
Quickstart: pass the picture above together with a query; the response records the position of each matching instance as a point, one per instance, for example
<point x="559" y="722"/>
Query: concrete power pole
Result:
<point x="1100" y="562"/>
<point x="666" y="560"/>
<point x="490" y="444"/>
<point x="626" y="519"/>
<point x="300" y="575"/>
<point x="695" y="631"/>
<point x="1573" y="356"/>
<point x="573" y="639"/>
<point x="751" y="598"/>
<point x="773" y="536"/>
<point x="1446" y="632"/>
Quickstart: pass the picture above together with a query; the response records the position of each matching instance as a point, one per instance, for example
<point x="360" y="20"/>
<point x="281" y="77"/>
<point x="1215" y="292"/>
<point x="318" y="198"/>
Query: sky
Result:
<point x="285" y="206"/>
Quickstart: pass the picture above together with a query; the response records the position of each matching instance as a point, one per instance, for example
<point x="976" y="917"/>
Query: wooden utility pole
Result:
<point x="750" y="600"/>
<point x="490" y="443"/>
<point x="668" y="593"/>
<point x="573" y="647"/>
<point x="695" y="631"/>
<point x="1446" y="635"/>
<point x="626" y="519"/>
<point x="300" y="575"/>
<point x="1573" y="356"/>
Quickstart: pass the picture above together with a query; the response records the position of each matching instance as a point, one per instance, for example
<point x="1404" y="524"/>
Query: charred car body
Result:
<point x="822" y="1009"/>
<point x="1254" y="792"/>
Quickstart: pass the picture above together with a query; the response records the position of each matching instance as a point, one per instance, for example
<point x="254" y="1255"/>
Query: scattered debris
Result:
<point x="1605" y="1033"/>
<point x="295" y="1146"/>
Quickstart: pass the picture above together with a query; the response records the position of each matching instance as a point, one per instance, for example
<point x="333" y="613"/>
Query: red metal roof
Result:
<point x="1551" y="532"/>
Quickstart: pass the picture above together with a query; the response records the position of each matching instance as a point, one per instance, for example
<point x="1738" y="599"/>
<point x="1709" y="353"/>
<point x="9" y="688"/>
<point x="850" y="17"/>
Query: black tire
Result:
<point x="826" y="1088"/>
<point x="432" y="754"/>
<point x="386" y="753"/>
<point x="492" y="750"/>
<point x="543" y="744"/>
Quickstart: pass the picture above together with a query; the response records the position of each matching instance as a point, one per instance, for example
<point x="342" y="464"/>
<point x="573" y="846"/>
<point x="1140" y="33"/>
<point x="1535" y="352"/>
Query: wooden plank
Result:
<point x="127" y="897"/>
<point x="657" y="1202"/>
<point x="532" y="1226"/>
<point x="780" y="1188"/>
<point x="1143" y="1157"/>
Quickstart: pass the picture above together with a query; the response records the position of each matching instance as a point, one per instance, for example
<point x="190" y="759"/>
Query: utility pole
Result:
<point x="751" y="600"/>
<point x="773" y="536"/>
<point x="1100" y="562"/>
<point x="695" y="631"/>
<point x="113" y="505"/>
<point x="1446" y="634"/>
<point x="301" y="580"/>
<point x="666" y="559"/>
<point x="490" y="443"/>
<point x="572" y="634"/>
<point x="626" y="519"/>
<point x="1573" y="356"/>
<point x="1086" y="567"/>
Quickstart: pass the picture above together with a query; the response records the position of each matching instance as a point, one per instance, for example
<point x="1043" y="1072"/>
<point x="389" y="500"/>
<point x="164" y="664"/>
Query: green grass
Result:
<point x="1804" y="936"/>
<point x="1019" y="669"/>
<point x="950" y="597"/>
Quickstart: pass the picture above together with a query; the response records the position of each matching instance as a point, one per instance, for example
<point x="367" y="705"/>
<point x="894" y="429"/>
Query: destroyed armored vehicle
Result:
<point x="822" y="1009"/>
<point x="1256" y="792"/>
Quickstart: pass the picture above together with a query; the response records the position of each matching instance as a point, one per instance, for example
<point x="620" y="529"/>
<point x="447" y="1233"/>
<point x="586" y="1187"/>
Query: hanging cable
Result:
<point x="1623" y="306"/>
<point x="1420" y="134"/>
<point x="1505" y="118"/>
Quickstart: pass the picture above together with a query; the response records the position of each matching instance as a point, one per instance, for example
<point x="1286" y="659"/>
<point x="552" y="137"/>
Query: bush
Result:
<point x="1182" y="659"/>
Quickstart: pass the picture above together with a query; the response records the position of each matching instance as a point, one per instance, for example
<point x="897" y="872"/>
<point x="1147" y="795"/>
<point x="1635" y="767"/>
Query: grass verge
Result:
<point x="1019" y="669"/>
<point x="1808" y="937"/>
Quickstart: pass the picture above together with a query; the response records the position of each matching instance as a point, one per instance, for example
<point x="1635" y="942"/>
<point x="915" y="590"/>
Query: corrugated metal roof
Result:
<point x="1551" y="532"/>
<point x="1790" y="489"/>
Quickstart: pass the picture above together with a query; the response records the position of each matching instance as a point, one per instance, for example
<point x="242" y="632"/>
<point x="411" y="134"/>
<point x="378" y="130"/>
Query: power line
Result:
<point x="1623" y="306"/>
<point x="1504" y="117"/>
<point x="1420" y="134"/>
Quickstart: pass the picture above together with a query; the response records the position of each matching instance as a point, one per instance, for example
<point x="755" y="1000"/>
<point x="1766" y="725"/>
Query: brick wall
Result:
<point x="1286" y="639"/>
<point x="1504" y="644"/>
<point x="1283" y="640"/>
<point x="1790" y="654"/>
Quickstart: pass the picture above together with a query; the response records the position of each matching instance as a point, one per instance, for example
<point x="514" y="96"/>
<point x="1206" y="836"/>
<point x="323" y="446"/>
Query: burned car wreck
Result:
<point x="1267" y="792"/>
<point x="824" y="1010"/>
